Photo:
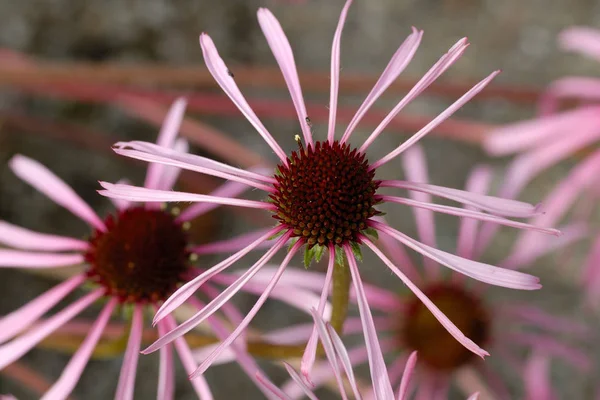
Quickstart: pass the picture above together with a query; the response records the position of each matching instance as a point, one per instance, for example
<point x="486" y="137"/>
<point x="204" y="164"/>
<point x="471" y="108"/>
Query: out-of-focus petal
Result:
<point x="21" y="238"/>
<point x="26" y="259"/>
<point x="129" y="367"/>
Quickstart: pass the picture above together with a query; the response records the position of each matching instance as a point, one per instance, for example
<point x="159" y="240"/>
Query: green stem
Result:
<point x="340" y="296"/>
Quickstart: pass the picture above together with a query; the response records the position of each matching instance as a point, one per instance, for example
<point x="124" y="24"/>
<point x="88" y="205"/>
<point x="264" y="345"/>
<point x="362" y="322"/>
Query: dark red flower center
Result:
<point x="142" y="256"/>
<point x="326" y="194"/>
<point x="437" y="349"/>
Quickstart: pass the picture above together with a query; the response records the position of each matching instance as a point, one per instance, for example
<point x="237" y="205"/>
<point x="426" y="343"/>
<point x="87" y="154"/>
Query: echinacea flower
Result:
<point x="508" y="326"/>
<point x="133" y="260"/>
<point x="325" y="195"/>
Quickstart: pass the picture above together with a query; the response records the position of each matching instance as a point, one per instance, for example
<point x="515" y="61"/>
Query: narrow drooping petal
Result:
<point x="436" y="121"/>
<point x="187" y="359"/>
<point x="243" y="325"/>
<point x="474" y="269"/>
<point x="187" y="290"/>
<point x="466" y="213"/>
<point x="379" y="376"/>
<point x="408" y="371"/>
<point x="270" y="386"/>
<point x="14" y="349"/>
<point x="329" y="352"/>
<point x="285" y="58"/>
<point x="134" y="193"/>
<point x="54" y="188"/>
<point x="527" y="135"/>
<point x="437" y="313"/>
<point x="169" y="175"/>
<point x="399" y="255"/>
<point x="434" y="72"/>
<point x="18" y="320"/>
<point x="228" y="189"/>
<point x="401" y="58"/>
<point x="578" y="87"/>
<point x="335" y="72"/>
<point x="25" y="239"/>
<point x="26" y="259"/>
<point x="121" y="204"/>
<point x="478" y="182"/>
<point x="166" y="369"/>
<point x="537" y="378"/>
<point x="539" y="318"/>
<point x="185" y="161"/>
<point x="225" y="79"/>
<point x="235" y="244"/>
<point x="491" y="204"/>
<point x="344" y="357"/>
<point x="582" y="40"/>
<point x="415" y="170"/>
<point x="126" y="383"/>
<point x="553" y="347"/>
<point x="216" y="303"/>
<point x="308" y="358"/>
<point x="166" y="138"/>
<point x="63" y="387"/>
<point x="298" y="379"/>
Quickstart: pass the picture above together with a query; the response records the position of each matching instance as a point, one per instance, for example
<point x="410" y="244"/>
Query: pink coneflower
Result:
<point x="133" y="260"/>
<point x="508" y="326"/>
<point x="325" y="195"/>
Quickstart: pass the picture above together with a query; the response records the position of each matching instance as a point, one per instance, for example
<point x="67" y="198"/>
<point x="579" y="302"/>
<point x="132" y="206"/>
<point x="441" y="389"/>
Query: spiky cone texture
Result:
<point x="557" y="133"/>
<point x="132" y="260"/>
<point x="348" y="235"/>
<point x="524" y="337"/>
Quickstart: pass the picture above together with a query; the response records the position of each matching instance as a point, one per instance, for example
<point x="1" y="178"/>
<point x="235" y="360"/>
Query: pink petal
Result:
<point x="21" y="238"/>
<point x="491" y="204"/>
<point x="134" y="193"/>
<point x="296" y="377"/>
<point x="308" y="358"/>
<point x="187" y="359"/>
<point x="243" y="325"/>
<point x="54" y="188"/>
<point x="582" y="40"/>
<point x="415" y="170"/>
<point x="214" y="305"/>
<point x="329" y="352"/>
<point x="235" y="244"/>
<point x="535" y="316"/>
<point x="434" y="123"/>
<point x="24" y="259"/>
<point x="531" y="134"/>
<point x="119" y="203"/>
<point x="16" y="321"/>
<point x="14" y="349"/>
<point x="267" y="384"/>
<point x="399" y="61"/>
<point x="474" y="396"/>
<point x="335" y="71"/>
<point x="537" y="378"/>
<point x="437" y="313"/>
<point x="129" y="367"/>
<point x="379" y="375"/>
<point x="285" y="58"/>
<point x="166" y="371"/>
<point x="434" y="72"/>
<point x="399" y="255"/>
<point x="552" y="346"/>
<point x="474" y="269"/>
<point x="155" y="154"/>
<point x="478" y="182"/>
<point x="169" y="176"/>
<point x="224" y="78"/>
<point x="228" y="189"/>
<point x="187" y="290"/>
<point x="63" y="387"/>
<point x="466" y="213"/>
<point x="344" y="358"/>
<point x="166" y="138"/>
<point x="408" y="372"/>
<point x="582" y="88"/>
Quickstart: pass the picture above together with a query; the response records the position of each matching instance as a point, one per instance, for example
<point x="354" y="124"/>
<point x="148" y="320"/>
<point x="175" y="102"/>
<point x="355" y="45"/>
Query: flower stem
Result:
<point x="340" y="296"/>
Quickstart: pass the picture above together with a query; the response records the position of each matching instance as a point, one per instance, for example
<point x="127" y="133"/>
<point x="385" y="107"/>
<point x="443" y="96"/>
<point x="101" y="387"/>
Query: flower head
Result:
<point x="324" y="195"/>
<point x="133" y="260"/>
